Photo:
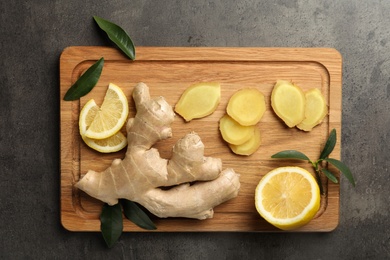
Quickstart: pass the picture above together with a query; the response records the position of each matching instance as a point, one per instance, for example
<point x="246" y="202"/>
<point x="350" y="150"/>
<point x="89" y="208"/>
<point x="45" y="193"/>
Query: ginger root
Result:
<point x="167" y="188"/>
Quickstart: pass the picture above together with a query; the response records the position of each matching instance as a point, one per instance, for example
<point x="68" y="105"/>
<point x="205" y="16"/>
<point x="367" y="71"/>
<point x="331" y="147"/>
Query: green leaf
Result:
<point x="291" y="154"/>
<point x="329" y="145"/>
<point x="86" y="82"/>
<point x="330" y="175"/>
<point x="343" y="169"/>
<point x="136" y="215"/>
<point x="118" y="36"/>
<point x="111" y="223"/>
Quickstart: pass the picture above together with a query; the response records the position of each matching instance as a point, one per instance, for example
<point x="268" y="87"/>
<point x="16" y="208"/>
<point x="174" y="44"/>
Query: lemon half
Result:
<point x="287" y="197"/>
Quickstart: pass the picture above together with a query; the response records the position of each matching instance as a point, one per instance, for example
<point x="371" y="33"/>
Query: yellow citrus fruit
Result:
<point x="111" y="116"/>
<point x="111" y="144"/>
<point x="287" y="197"/>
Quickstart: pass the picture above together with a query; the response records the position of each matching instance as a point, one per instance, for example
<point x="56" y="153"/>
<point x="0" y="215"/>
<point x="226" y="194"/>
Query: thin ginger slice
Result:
<point x="250" y="146"/>
<point x="199" y="100"/>
<point x="288" y="102"/>
<point x="142" y="173"/>
<point x="246" y="106"/>
<point x="234" y="133"/>
<point x="315" y="110"/>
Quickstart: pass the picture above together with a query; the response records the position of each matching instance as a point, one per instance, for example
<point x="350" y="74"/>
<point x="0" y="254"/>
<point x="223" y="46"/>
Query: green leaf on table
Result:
<point x="290" y="154"/>
<point x="86" y="82"/>
<point x="136" y="215"/>
<point x="329" y="145"/>
<point x="118" y="36"/>
<point x="111" y="223"/>
<point x="342" y="168"/>
<point x="330" y="175"/>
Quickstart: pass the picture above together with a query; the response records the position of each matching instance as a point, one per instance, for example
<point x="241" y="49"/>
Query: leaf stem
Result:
<point x="324" y="156"/>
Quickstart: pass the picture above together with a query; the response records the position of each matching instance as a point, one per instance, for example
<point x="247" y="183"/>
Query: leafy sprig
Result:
<point x="324" y="157"/>
<point x="89" y="79"/>
<point x="118" y="36"/>
<point x="111" y="220"/>
<point x="86" y="82"/>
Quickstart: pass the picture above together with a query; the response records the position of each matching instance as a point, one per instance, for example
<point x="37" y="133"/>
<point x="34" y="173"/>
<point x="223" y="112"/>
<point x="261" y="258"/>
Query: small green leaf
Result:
<point x="290" y="154"/>
<point x="111" y="223"/>
<point x="330" y="175"/>
<point x="86" y="82"/>
<point x="118" y="36"/>
<point x="329" y="145"/>
<point x="136" y="215"/>
<point x="343" y="169"/>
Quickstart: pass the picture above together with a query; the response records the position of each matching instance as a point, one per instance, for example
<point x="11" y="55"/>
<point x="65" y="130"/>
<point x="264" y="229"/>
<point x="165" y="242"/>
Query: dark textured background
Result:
<point x="32" y="37"/>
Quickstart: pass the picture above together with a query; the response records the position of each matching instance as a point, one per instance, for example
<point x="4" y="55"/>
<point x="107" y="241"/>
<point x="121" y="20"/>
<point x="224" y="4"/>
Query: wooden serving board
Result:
<point x="168" y="71"/>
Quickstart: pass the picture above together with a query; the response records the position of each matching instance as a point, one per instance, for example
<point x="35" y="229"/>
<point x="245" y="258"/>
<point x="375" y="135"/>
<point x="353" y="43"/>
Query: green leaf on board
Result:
<point x="136" y="215"/>
<point x="290" y="154"/>
<point x="111" y="223"/>
<point x="329" y="145"/>
<point x="118" y="36"/>
<point x="86" y="82"/>
<point x="330" y="175"/>
<point x="343" y="169"/>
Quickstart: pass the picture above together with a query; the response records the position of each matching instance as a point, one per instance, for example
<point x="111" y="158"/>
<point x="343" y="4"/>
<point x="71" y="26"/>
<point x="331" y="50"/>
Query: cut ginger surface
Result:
<point x="234" y="133"/>
<point x="250" y="146"/>
<point x="199" y="100"/>
<point x="246" y="106"/>
<point x="315" y="109"/>
<point x="288" y="102"/>
<point x="189" y="184"/>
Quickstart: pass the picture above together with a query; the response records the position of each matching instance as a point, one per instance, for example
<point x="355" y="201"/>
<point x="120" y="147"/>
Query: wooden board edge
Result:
<point x="146" y="54"/>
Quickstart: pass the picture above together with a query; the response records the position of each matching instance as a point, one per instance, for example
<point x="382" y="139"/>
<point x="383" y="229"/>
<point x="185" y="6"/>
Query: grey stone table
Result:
<point x="32" y="37"/>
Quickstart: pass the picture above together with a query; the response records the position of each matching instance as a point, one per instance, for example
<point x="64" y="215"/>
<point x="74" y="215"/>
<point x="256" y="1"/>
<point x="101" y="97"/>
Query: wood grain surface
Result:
<point x="168" y="71"/>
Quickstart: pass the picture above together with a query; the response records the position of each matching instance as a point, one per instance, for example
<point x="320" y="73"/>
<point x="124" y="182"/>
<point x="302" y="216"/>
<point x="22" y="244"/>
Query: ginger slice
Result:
<point x="315" y="110"/>
<point x="288" y="102"/>
<point x="234" y="133"/>
<point x="250" y="146"/>
<point x="199" y="100"/>
<point x="246" y="106"/>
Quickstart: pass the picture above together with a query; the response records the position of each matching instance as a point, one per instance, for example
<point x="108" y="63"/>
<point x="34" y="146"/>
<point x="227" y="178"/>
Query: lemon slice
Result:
<point x="108" y="145"/>
<point x="287" y="197"/>
<point x="111" y="116"/>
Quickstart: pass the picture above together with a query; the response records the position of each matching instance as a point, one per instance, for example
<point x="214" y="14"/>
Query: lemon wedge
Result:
<point x="111" y="116"/>
<point x="287" y="197"/>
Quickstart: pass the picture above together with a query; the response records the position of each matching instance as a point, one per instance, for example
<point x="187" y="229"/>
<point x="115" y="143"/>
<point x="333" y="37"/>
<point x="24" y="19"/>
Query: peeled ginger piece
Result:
<point x="234" y="133"/>
<point x="246" y="106"/>
<point x="199" y="100"/>
<point x="315" y="109"/>
<point x="250" y="146"/>
<point x="288" y="102"/>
